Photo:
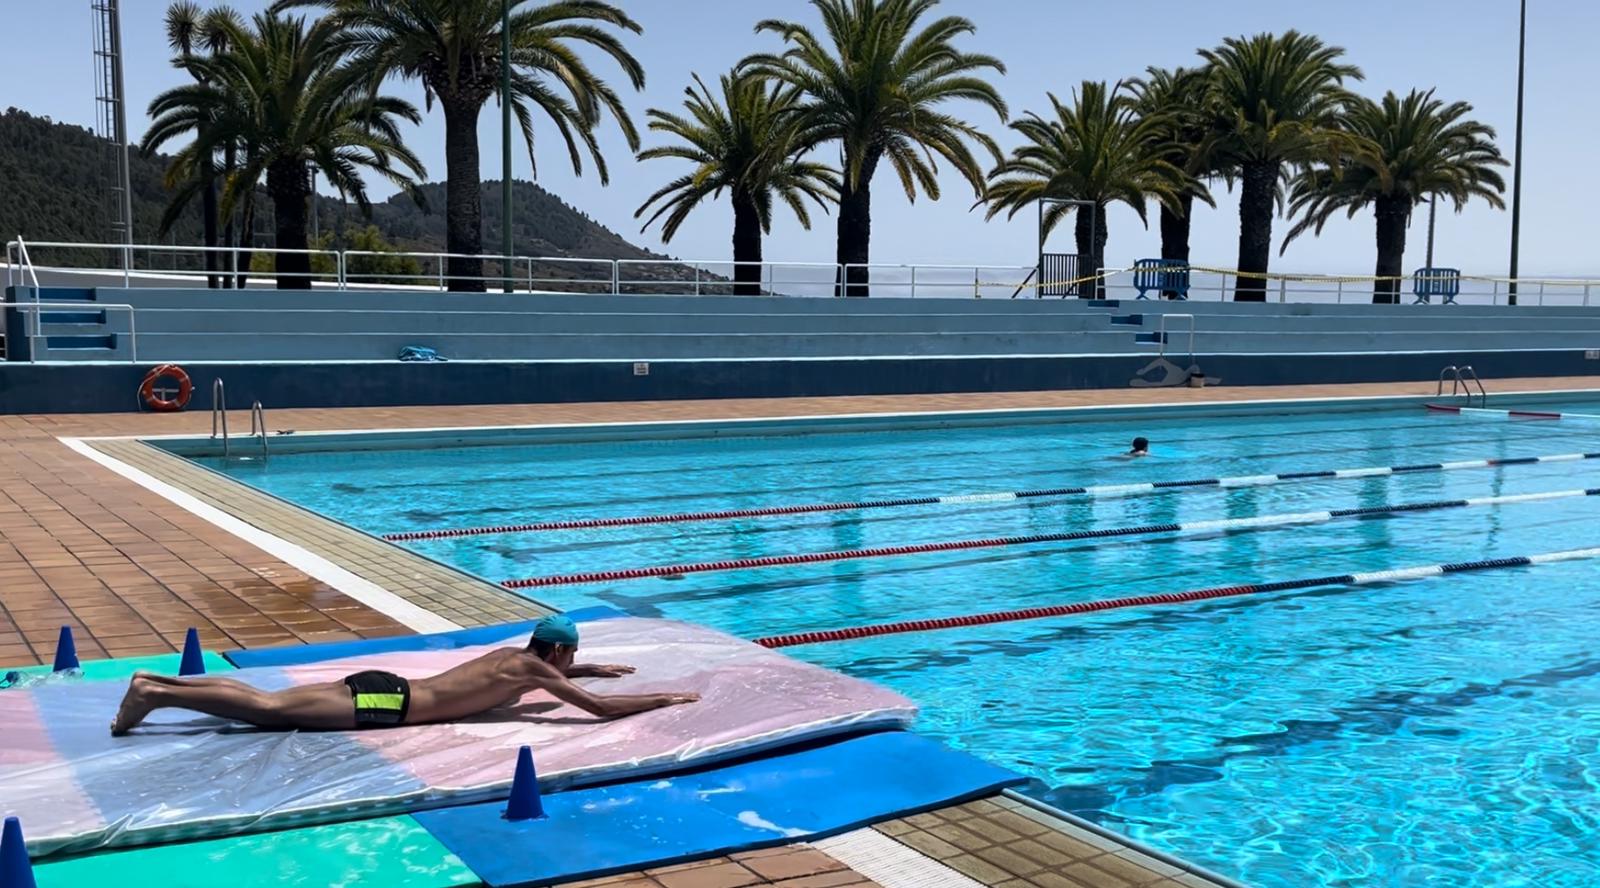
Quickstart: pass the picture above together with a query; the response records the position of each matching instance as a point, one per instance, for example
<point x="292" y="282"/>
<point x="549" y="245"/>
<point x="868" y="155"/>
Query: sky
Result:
<point x="1467" y="49"/>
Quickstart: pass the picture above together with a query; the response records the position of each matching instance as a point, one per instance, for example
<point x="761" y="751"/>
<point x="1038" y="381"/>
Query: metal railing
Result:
<point x="1461" y="380"/>
<point x="36" y="308"/>
<point x="166" y="265"/>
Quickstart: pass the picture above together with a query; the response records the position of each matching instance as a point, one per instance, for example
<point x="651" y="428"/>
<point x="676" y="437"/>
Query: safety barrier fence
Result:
<point x="1165" y="598"/>
<point x="1096" y="491"/>
<point x="1223" y="524"/>
<point x="177" y="265"/>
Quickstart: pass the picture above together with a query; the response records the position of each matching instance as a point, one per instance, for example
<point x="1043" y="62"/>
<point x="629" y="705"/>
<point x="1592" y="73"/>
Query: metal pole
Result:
<point x="505" y="140"/>
<point x="122" y="134"/>
<point x="1433" y="207"/>
<point x="1516" y="176"/>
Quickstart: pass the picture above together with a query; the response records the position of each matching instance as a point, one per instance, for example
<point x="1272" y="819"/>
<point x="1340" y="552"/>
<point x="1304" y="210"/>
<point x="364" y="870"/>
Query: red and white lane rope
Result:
<point x="1100" y="491"/>
<point x="1260" y="521"/>
<point x="1087" y="607"/>
<point x="1507" y="414"/>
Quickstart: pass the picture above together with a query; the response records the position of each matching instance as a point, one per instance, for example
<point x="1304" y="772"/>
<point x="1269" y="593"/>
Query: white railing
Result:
<point x="38" y="308"/>
<point x="167" y="265"/>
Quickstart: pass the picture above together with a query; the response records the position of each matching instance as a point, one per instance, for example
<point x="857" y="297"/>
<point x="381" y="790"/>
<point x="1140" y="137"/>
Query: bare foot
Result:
<point x="135" y="706"/>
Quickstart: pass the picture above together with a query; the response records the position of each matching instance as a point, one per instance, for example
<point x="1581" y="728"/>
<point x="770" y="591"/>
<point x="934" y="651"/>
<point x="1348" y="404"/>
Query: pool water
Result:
<point x="1442" y="732"/>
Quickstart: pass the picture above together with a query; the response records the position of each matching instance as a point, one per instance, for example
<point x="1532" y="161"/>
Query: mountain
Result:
<point x="53" y="187"/>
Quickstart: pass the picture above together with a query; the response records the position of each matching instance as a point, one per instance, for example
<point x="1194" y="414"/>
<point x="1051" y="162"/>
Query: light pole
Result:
<point x="505" y="142"/>
<point x="1516" y="174"/>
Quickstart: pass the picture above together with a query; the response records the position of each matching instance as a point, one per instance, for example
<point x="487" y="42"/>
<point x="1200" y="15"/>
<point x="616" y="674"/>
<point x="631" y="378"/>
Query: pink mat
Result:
<point x="186" y="776"/>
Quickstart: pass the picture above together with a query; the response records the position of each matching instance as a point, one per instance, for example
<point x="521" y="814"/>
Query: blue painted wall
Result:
<point x="95" y="388"/>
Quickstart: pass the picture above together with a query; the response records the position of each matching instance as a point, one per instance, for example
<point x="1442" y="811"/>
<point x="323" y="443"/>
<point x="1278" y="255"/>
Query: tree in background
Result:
<point x="874" y="82"/>
<point x="374" y="259"/>
<point x="1174" y="100"/>
<point x="1099" y="149"/>
<point x="191" y="30"/>
<point x="1410" y="149"/>
<point x="750" y="144"/>
<point x="453" y="48"/>
<point x="1274" y="102"/>
<point x="286" y="94"/>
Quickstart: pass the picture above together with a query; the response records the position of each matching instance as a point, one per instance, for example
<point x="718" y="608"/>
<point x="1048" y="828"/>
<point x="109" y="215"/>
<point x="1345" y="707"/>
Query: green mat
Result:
<point x="121" y="668"/>
<point x="389" y="852"/>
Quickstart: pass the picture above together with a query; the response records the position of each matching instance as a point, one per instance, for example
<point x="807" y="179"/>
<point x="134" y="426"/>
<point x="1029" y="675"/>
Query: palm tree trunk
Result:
<point x="247" y="227"/>
<point x="1257" y="202"/>
<point x="1092" y="258"/>
<point x="208" y="213"/>
<point x="1392" y="217"/>
<point x="1175" y="235"/>
<point x="228" y="260"/>
<point x="855" y="230"/>
<point x="746" y="245"/>
<point x="463" y="194"/>
<point x="290" y="188"/>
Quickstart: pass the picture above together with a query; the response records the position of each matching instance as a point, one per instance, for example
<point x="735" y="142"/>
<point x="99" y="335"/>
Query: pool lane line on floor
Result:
<point x="1097" y="491"/>
<point x="1260" y="521"/>
<point x="1109" y="604"/>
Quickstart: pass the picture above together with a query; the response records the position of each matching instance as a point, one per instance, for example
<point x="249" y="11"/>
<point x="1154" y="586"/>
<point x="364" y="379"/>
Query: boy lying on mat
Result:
<point x="381" y="699"/>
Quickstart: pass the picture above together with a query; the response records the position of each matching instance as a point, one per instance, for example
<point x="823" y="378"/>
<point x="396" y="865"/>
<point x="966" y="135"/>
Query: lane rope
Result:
<point x="1086" y="607"/>
<point x="1507" y="414"/>
<point x="1260" y="521"/>
<point x="1103" y="490"/>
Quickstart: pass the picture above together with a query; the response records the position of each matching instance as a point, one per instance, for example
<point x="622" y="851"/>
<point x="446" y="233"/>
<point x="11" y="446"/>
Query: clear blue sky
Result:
<point x="1465" y="48"/>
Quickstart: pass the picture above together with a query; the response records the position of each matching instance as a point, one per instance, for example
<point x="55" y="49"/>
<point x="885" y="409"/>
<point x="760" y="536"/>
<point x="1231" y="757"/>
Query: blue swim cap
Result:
<point x="556" y="630"/>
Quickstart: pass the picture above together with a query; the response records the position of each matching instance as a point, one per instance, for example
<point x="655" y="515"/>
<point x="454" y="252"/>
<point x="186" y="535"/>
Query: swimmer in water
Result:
<point x="1141" y="447"/>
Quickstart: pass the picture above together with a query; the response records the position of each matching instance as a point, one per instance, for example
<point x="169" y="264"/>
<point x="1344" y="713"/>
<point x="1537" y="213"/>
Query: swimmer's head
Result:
<point x="555" y="641"/>
<point x="1140" y="445"/>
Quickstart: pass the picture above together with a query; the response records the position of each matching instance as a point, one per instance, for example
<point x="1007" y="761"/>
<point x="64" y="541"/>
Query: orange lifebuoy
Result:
<point x="155" y="401"/>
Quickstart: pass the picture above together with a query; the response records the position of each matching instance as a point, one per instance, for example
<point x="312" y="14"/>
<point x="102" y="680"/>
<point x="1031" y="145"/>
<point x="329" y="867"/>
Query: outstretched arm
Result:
<point x="606" y="705"/>
<point x="598" y="670"/>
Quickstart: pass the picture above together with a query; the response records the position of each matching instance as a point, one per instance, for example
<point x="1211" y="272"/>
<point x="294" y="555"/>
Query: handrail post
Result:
<point x="339" y="264"/>
<point x="697" y="276"/>
<point x="913" y="282"/>
<point x="530" y="274"/>
<point x="977" y="293"/>
<point x="440" y="259"/>
<point x="1283" y="290"/>
<point x="616" y="278"/>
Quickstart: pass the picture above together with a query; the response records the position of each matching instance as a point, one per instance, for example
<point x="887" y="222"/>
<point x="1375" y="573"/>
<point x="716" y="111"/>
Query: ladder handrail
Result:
<point x="259" y="412"/>
<point x="1163" y="334"/>
<point x="219" y="410"/>
<point x="1465" y="373"/>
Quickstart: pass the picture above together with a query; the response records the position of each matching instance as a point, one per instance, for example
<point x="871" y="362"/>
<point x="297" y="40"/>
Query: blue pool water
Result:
<point x="1441" y="732"/>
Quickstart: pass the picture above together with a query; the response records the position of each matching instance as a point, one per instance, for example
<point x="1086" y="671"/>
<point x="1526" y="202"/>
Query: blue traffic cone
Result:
<point x="525" y="803"/>
<point x="66" y="651"/>
<point x="16" y="870"/>
<point x="194" y="662"/>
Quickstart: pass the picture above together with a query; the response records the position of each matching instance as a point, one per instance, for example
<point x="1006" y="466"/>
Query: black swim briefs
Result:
<point x="381" y="698"/>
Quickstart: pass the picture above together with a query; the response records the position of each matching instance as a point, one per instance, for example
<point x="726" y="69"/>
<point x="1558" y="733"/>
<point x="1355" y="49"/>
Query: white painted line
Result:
<point x="891" y="864"/>
<point x="365" y="591"/>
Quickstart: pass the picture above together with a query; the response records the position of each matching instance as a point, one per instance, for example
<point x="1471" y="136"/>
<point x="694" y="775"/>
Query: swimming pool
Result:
<point x="1439" y="732"/>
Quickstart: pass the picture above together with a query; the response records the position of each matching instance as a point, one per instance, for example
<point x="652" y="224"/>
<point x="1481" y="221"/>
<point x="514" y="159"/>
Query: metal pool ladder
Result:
<point x="1462" y="379"/>
<point x="219" y="419"/>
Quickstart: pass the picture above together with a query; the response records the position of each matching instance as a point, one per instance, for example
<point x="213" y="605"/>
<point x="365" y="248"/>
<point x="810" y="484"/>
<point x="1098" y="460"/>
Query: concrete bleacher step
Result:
<point x="72" y="317"/>
<point x="1132" y="320"/>
<point x="1152" y="338"/>
<point x="1104" y="303"/>
<point x="106" y="342"/>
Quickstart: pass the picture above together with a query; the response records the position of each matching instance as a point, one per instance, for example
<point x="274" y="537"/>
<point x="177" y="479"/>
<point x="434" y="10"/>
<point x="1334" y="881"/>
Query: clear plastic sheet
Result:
<point x="187" y="776"/>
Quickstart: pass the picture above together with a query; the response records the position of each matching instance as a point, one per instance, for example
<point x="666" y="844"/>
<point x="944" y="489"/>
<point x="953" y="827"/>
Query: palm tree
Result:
<point x="751" y="145"/>
<point x="1099" y="149"/>
<point x="289" y="98"/>
<point x="1175" y="98"/>
<point x="453" y="47"/>
<point x="1412" y="148"/>
<point x="874" y="82"/>
<point x="191" y="29"/>
<point x="1273" y="103"/>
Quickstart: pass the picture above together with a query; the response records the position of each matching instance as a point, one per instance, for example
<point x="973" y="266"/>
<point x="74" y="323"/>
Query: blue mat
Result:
<point x="294" y="655"/>
<point x="595" y="832"/>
